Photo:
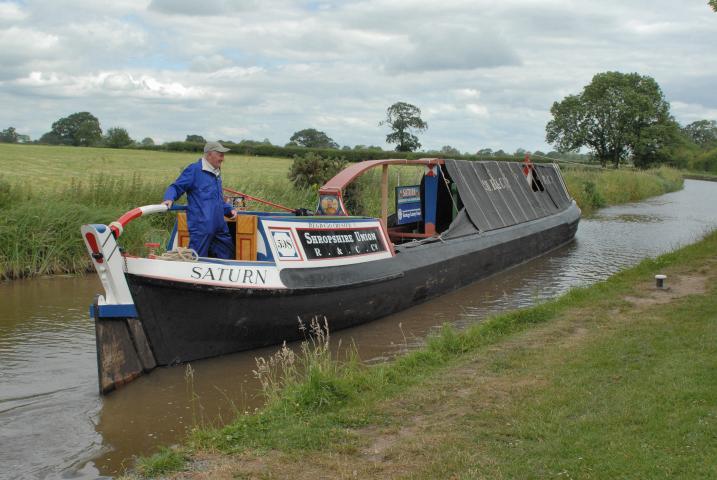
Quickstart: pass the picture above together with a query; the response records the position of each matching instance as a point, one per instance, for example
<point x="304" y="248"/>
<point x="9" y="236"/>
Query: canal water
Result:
<point x="53" y="423"/>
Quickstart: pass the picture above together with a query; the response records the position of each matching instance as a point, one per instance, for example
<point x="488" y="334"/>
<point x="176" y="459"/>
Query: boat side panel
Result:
<point x="185" y="322"/>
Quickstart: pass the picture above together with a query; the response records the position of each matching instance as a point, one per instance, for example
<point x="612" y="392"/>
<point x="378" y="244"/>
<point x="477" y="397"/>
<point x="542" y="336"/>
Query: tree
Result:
<point x="312" y="170"/>
<point x="447" y="150"/>
<point x="713" y="4"/>
<point x="9" y="135"/>
<point x="117" y="137"/>
<point x="147" y="142"/>
<point x="50" y="138"/>
<point x="403" y="118"/>
<point x="78" y="129"/>
<point x="312" y="138"/>
<point x="195" y="139"/>
<point x="657" y="143"/>
<point x="702" y="132"/>
<point x="486" y="152"/>
<point x="611" y="117"/>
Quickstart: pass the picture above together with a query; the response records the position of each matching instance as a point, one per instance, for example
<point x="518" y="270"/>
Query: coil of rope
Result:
<point x="181" y="254"/>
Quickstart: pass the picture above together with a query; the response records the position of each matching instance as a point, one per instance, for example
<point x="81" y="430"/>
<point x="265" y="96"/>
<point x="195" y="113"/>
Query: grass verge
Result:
<point x="597" y="188"/>
<point x="609" y="381"/>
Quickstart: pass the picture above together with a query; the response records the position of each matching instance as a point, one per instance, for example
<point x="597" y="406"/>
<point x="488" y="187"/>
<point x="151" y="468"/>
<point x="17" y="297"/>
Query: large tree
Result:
<point x="195" y="138"/>
<point x="713" y="4"/>
<point x="79" y="129"/>
<point x="403" y="118"/>
<point x="312" y="138"/>
<point x="617" y="116"/>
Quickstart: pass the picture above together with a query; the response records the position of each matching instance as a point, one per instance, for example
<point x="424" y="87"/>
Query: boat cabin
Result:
<point x="496" y="195"/>
<point x="419" y="211"/>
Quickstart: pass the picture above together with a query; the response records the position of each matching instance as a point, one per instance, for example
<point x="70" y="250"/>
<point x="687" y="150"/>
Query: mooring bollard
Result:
<point x="660" y="280"/>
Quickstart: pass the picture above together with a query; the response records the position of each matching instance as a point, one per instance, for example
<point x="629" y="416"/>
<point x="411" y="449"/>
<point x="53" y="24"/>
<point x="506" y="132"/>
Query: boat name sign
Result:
<point x="207" y="273"/>
<point x="244" y="276"/>
<point x="340" y="242"/>
<point x="332" y="242"/>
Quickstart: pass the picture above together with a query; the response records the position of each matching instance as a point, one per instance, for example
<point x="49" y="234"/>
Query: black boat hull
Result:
<point x="185" y="322"/>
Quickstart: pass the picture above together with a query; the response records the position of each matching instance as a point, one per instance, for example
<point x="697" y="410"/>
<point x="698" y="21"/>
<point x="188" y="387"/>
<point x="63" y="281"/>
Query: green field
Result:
<point x="49" y="167"/>
<point x="48" y="192"/>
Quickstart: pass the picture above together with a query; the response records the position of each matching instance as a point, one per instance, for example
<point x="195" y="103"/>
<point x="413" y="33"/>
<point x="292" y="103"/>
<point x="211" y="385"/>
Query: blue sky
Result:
<point x="483" y="73"/>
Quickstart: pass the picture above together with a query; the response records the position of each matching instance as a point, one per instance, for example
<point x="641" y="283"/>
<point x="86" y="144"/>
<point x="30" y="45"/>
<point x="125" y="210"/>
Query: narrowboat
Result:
<point x="463" y="221"/>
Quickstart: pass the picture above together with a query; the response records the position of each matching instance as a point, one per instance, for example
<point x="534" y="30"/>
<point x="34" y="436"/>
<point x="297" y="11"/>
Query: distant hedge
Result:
<point x="290" y="152"/>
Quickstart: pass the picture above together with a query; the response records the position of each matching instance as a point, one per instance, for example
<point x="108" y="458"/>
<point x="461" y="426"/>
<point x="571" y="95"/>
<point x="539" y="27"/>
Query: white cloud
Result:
<point x="21" y="44"/>
<point x="11" y="12"/>
<point x="113" y="84"/>
<point x="484" y="73"/>
<point x="454" y="49"/>
<point x="468" y="93"/>
<point x="105" y="35"/>
<point x="206" y="7"/>
<point x="477" y="110"/>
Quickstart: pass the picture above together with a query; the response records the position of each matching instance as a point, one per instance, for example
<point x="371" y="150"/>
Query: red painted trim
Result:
<point x="92" y="242"/>
<point x="410" y="235"/>
<point x="348" y="174"/>
<point x="218" y="284"/>
<point x="129" y="216"/>
<point x="267" y="202"/>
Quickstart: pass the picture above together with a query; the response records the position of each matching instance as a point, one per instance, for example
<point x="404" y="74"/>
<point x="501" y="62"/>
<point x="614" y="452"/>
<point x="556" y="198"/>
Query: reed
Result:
<point x="597" y="188"/>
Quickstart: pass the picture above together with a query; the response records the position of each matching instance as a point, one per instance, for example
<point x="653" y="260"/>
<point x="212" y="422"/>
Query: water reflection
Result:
<point x="52" y="421"/>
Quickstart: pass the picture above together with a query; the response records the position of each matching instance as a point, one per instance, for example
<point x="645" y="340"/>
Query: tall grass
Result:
<point x="39" y="226"/>
<point x="39" y="222"/>
<point x="596" y="188"/>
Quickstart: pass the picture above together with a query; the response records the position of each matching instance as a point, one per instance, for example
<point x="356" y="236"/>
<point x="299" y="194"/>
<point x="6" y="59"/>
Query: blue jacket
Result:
<point x="206" y="207"/>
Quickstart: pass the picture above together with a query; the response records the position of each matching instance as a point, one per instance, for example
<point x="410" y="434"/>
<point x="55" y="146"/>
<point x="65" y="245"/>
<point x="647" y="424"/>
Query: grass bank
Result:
<point x="611" y="381"/>
<point x="47" y="192"/>
<point x="597" y="188"/>
<point x="709" y="177"/>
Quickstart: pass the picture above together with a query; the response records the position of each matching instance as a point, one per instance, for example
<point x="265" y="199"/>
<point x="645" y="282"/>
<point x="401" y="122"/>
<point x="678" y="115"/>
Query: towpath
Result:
<point x="619" y="387"/>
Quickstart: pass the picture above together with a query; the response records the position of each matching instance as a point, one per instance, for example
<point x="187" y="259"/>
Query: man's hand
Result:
<point x="168" y="203"/>
<point x="234" y="214"/>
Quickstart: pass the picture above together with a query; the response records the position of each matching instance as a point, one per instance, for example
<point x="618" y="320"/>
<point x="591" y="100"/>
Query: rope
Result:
<point x="448" y="187"/>
<point x="181" y="254"/>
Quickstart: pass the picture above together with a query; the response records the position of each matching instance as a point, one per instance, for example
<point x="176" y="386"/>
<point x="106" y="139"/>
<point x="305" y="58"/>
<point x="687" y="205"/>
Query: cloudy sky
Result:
<point x="484" y="73"/>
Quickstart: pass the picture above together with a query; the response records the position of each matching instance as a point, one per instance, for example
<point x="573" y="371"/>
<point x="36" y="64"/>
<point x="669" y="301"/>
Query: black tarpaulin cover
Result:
<point x="498" y="194"/>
